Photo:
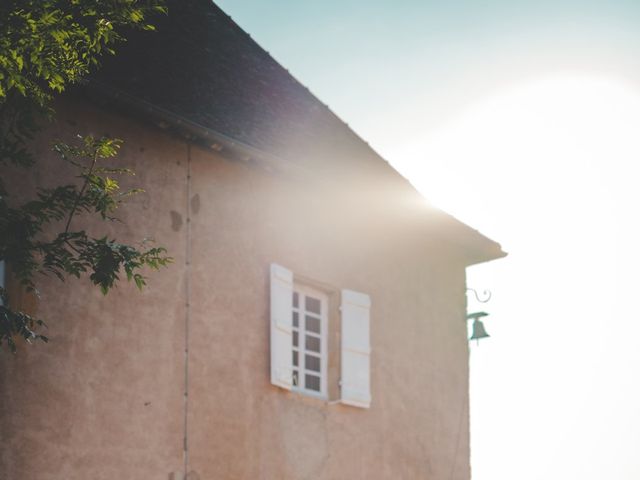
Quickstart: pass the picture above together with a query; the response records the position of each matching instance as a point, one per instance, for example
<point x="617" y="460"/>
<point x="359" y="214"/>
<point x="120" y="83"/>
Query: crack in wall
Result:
<point x="187" y="318"/>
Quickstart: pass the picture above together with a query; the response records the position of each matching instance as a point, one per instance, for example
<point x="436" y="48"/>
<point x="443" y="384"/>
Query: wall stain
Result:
<point x="195" y="203"/>
<point x="176" y="220"/>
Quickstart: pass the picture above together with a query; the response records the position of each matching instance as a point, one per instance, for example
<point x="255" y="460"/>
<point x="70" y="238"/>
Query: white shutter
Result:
<point x="281" y="317"/>
<point x="356" y="350"/>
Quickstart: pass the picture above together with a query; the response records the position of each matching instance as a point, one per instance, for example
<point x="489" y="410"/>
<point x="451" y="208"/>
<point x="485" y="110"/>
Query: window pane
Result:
<point x="311" y="362"/>
<point x="295" y="378"/>
<point x="295" y="319"/>
<point x="295" y="299"/>
<point x="313" y="324"/>
<point x="295" y="338"/>
<point x="312" y="305"/>
<point x="295" y="358"/>
<point x="312" y="382"/>
<point x="311" y="343"/>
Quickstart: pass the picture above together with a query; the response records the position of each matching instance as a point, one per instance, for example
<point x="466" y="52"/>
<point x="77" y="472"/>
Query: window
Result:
<point x="309" y="340"/>
<point x="299" y="337"/>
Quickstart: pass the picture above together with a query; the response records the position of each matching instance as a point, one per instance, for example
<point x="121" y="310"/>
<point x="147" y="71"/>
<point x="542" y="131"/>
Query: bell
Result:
<point x="478" y="330"/>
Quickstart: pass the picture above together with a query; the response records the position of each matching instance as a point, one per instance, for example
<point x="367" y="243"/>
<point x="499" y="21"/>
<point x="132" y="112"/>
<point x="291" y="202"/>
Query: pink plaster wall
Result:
<point x="105" y="399"/>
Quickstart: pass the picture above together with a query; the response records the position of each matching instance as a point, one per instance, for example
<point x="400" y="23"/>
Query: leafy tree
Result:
<point x="45" y="46"/>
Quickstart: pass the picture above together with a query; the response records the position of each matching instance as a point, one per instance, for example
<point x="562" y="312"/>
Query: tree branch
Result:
<point x="84" y="187"/>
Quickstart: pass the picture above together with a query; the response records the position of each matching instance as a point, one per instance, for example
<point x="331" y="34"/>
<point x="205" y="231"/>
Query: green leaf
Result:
<point x="45" y="46"/>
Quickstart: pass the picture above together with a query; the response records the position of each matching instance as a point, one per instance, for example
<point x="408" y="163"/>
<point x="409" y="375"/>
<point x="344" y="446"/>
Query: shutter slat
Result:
<point x="355" y="349"/>
<point x="281" y="331"/>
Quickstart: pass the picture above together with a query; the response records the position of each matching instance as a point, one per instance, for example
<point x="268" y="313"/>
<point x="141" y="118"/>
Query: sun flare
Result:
<point x="531" y="142"/>
<point x="549" y="167"/>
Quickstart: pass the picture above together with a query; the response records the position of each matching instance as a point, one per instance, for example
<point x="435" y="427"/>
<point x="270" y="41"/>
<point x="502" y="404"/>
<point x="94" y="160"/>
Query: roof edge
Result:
<point x="479" y="248"/>
<point x="188" y="128"/>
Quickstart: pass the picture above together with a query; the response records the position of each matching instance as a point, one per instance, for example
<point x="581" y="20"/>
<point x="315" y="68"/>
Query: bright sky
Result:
<point x="523" y="120"/>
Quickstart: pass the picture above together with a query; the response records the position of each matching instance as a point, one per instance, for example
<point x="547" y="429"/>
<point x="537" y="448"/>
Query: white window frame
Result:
<point x="299" y="383"/>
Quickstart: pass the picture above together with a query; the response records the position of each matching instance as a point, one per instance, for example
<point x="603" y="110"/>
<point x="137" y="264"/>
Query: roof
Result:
<point x="202" y="66"/>
<point x="201" y="70"/>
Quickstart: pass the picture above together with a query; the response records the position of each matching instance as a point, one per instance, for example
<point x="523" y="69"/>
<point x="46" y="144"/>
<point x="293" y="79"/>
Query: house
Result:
<point x="312" y="325"/>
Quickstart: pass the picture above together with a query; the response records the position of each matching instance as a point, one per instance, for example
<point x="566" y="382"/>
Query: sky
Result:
<point x="522" y="119"/>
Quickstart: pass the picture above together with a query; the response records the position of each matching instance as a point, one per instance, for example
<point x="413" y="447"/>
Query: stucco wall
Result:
<point x="105" y="399"/>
